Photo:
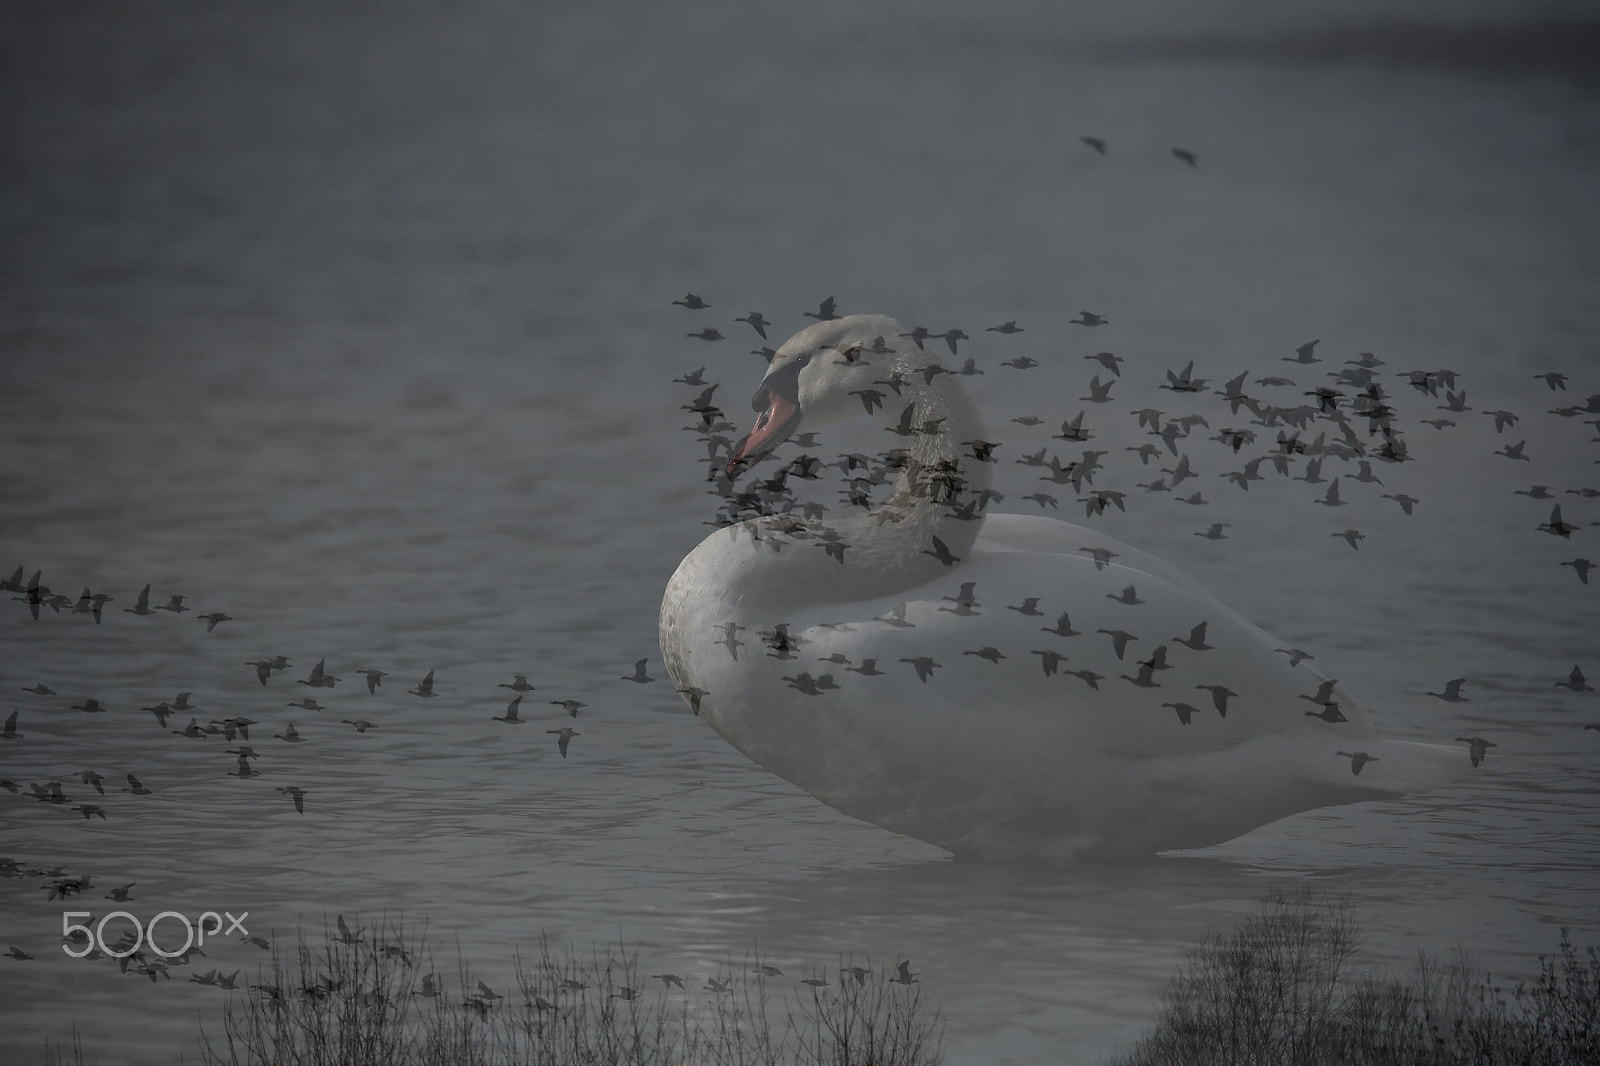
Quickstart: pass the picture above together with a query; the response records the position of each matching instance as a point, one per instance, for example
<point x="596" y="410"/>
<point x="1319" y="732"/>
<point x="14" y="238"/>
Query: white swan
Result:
<point x="1002" y="751"/>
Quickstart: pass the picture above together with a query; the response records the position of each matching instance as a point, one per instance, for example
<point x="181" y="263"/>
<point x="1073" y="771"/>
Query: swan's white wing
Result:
<point x="1001" y="759"/>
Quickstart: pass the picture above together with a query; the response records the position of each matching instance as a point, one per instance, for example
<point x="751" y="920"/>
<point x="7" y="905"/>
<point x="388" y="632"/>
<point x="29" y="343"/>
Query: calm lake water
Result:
<point x="356" y="325"/>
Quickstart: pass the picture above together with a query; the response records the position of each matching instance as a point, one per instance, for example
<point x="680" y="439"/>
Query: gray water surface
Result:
<point x="355" y="324"/>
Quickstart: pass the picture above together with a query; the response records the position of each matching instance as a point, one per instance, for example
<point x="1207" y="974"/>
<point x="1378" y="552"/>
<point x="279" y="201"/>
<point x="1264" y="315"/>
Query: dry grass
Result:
<point x="371" y="1000"/>
<point x="1280" y="991"/>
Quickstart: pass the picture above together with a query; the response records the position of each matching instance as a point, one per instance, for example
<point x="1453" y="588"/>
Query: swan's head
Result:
<point x="812" y="376"/>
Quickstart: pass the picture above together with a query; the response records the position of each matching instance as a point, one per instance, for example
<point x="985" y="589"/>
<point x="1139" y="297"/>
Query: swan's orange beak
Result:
<point x="772" y="426"/>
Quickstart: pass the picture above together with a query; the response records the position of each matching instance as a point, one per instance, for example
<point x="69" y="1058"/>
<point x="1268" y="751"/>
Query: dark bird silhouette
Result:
<point x="1331" y="497"/>
<point x="1050" y="660"/>
<point x="1574" y="681"/>
<point x="572" y="707"/>
<point x="1220" y="695"/>
<point x="1352" y="537"/>
<point x="1196" y="640"/>
<point x="1296" y="656"/>
<point x="1477" y="748"/>
<point x="756" y="321"/>
<point x="1087" y="318"/>
<point x="1502" y="419"/>
<point x="1185" y="711"/>
<point x="1405" y="502"/>
<point x="1101" y="556"/>
<point x="319" y="677"/>
<point x="1304" y="354"/>
<point x="1111" y="362"/>
<point x="9" y="732"/>
<point x="924" y="665"/>
<point x="710" y="333"/>
<point x="1358" y="759"/>
<point x="298" y="795"/>
<point x="1089" y="677"/>
<point x="1119" y="640"/>
<point x="1145" y="677"/>
<point x="374" y="678"/>
<point x="730" y="638"/>
<point x="1006" y="327"/>
<point x="424" y="688"/>
<point x="1097" y="143"/>
<point x="1187" y="156"/>
<point x="941" y="552"/>
<point x="1063" y="627"/>
<point x="1099" y="392"/>
<point x="1556" y="527"/>
<point x="692" y="302"/>
<point x="1029" y="606"/>
<point x="1581" y="567"/>
<point x="564" y="737"/>
<point x="1452" y="692"/>
<point x="214" y="619"/>
<point x="143" y="606"/>
<point x="824" y="312"/>
<point x="638" y="675"/>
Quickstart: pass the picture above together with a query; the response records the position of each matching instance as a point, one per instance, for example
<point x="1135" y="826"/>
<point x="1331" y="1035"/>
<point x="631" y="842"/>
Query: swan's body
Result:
<point x="991" y="757"/>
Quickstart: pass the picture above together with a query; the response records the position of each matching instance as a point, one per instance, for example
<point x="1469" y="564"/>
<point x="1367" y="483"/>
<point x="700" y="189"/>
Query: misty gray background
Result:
<point x="353" y="321"/>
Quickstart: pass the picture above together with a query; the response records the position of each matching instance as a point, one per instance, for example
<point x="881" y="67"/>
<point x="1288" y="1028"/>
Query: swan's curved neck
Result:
<point x="924" y="529"/>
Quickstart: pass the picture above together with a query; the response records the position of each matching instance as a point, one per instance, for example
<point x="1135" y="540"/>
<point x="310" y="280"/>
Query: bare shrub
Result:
<point x="355" y="999"/>
<point x="1279" y="991"/>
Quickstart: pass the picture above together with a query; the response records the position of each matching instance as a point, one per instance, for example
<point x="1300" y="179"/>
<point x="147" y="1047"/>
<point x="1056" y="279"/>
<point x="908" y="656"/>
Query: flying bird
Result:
<point x="564" y="737"/>
<point x="1358" y="759"/>
<point x="318" y="678"/>
<point x="1575" y="681"/>
<point x="825" y="311"/>
<point x="1477" y="748"/>
<point x="143" y="606"/>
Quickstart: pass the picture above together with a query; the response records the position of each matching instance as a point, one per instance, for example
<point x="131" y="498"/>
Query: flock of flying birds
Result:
<point x="1332" y="427"/>
<point x="90" y="788"/>
<point x="1339" y="429"/>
